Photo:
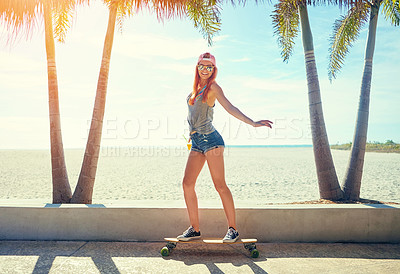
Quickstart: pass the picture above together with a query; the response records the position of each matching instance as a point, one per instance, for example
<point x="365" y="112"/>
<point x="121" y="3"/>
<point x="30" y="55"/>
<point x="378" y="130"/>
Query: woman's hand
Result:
<point x="266" y="123"/>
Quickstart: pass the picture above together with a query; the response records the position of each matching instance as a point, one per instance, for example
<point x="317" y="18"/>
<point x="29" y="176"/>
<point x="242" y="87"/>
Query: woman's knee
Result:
<point x="188" y="183"/>
<point x="221" y="187"/>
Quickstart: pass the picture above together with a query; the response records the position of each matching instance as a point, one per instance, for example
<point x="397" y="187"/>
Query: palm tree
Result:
<point x="203" y="13"/>
<point x="20" y="16"/>
<point x="346" y="31"/>
<point x="287" y="16"/>
<point x="61" y="188"/>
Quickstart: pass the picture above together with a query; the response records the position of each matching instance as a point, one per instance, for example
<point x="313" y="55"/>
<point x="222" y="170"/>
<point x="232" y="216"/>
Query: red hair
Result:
<point x="197" y="87"/>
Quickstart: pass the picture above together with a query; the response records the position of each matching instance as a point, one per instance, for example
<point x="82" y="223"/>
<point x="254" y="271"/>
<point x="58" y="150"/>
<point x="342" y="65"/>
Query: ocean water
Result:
<point x="255" y="175"/>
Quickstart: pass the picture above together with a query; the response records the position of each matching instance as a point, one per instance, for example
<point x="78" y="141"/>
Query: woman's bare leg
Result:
<point x="194" y="165"/>
<point x="215" y="161"/>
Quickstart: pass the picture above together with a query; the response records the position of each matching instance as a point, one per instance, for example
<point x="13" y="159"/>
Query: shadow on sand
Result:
<point x="117" y="257"/>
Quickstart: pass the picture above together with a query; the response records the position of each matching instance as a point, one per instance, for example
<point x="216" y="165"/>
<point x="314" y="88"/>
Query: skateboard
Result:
<point x="249" y="244"/>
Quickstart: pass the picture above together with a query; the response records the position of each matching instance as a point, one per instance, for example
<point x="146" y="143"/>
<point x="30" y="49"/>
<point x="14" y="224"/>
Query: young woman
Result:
<point x="208" y="145"/>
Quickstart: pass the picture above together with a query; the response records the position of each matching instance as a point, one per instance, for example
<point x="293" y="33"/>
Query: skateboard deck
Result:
<point x="249" y="244"/>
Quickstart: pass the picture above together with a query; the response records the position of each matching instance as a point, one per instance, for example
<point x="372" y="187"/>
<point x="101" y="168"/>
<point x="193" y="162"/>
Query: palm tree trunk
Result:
<point x="352" y="181"/>
<point x="61" y="188"/>
<point x="329" y="187"/>
<point x="84" y="189"/>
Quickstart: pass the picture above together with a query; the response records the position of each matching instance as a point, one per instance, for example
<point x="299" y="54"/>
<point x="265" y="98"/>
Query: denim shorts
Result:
<point x="205" y="142"/>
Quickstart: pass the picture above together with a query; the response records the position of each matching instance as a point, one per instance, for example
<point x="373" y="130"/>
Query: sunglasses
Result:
<point x="209" y="68"/>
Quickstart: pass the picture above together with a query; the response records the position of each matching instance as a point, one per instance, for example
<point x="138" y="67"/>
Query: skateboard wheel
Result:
<point x="165" y="251"/>
<point x="171" y="245"/>
<point x="254" y="253"/>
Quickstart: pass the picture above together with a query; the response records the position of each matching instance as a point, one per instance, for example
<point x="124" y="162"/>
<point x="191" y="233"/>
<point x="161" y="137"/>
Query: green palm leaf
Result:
<point x="345" y="31"/>
<point x="391" y="11"/>
<point x="62" y="16"/>
<point x="243" y="2"/>
<point x="285" y="20"/>
<point x="62" y="13"/>
<point x="205" y="16"/>
<point x="125" y="9"/>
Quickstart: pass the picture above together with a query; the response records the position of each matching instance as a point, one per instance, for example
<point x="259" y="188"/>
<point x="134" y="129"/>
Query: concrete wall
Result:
<point x="294" y="223"/>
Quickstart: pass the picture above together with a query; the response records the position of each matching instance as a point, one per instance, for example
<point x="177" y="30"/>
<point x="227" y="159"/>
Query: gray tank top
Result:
<point x="200" y="116"/>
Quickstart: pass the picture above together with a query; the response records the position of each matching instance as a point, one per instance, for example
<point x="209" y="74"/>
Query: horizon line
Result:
<point x="160" y="146"/>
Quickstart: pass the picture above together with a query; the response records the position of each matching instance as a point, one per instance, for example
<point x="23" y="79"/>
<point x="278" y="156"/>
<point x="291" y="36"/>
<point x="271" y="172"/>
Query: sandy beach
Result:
<point x="255" y="175"/>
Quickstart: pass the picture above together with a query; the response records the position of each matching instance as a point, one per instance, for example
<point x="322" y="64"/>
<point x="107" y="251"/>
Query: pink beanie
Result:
<point x="211" y="58"/>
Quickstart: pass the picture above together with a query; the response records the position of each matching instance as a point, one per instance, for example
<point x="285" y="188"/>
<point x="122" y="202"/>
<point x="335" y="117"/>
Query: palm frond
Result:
<point x="164" y="9"/>
<point x="205" y="15"/>
<point x="167" y="9"/>
<point x="19" y="17"/>
<point x="125" y="9"/>
<point x="285" y="21"/>
<point x="63" y="12"/>
<point x="391" y="11"/>
<point x="238" y="2"/>
<point x="338" y="3"/>
<point x="243" y="2"/>
<point x="345" y="31"/>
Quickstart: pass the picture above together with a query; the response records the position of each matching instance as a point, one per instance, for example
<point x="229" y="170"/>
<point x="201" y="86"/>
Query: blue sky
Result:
<point x="151" y="73"/>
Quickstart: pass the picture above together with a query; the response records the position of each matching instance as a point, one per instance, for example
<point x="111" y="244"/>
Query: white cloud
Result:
<point x="22" y="80"/>
<point x="178" y="67"/>
<point x="12" y="62"/>
<point x="244" y="59"/>
<point x="220" y="38"/>
<point x="24" y="132"/>
<point x="145" y="46"/>
<point x="267" y="84"/>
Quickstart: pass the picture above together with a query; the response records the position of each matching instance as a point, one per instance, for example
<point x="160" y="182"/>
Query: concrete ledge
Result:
<point x="275" y="223"/>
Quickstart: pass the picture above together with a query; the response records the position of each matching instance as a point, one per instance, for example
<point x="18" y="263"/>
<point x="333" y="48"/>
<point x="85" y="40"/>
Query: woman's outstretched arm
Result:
<point x="234" y="111"/>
